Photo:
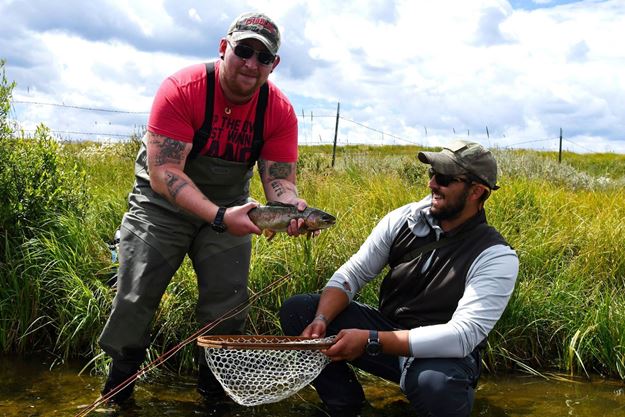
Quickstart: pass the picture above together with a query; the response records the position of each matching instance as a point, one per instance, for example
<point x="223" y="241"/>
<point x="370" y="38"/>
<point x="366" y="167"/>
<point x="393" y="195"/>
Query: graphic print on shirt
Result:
<point x="230" y="138"/>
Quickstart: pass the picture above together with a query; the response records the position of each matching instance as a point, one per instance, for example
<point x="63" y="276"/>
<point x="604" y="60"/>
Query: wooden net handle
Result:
<point x="262" y="342"/>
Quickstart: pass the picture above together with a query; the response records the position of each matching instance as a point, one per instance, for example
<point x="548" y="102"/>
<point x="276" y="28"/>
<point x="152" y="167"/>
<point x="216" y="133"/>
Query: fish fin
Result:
<point x="279" y="204"/>
<point x="269" y="234"/>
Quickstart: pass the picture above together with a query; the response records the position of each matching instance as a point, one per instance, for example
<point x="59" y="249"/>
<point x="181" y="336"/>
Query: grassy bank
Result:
<point x="564" y="220"/>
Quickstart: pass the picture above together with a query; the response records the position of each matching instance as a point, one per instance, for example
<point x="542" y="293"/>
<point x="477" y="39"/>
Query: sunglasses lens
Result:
<point x="441" y="179"/>
<point x="246" y="52"/>
<point x="265" y="58"/>
<point x="243" y="51"/>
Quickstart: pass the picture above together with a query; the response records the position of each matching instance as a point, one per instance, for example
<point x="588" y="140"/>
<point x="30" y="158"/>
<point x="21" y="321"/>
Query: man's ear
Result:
<point x="275" y="63"/>
<point x="478" y="191"/>
<point x="223" y="44"/>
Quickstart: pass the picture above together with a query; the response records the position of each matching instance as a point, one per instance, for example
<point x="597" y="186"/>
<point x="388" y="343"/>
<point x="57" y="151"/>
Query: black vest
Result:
<point x="412" y="298"/>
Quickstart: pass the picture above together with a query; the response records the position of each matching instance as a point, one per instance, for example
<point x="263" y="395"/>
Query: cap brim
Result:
<point x="441" y="163"/>
<point x="238" y="36"/>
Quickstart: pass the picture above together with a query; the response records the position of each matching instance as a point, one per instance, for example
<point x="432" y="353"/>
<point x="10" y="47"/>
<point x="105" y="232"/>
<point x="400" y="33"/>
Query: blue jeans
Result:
<point x="434" y="386"/>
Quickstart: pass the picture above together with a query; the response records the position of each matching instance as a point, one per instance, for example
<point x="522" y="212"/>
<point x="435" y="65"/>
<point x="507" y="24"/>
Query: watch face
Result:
<point x="373" y="348"/>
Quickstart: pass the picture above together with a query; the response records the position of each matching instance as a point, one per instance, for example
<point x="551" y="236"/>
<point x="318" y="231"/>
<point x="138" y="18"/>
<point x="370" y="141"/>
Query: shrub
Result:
<point x="38" y="183"/>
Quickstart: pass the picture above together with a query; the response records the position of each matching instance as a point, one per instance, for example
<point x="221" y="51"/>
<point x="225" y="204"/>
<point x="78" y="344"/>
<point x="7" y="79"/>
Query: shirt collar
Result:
<point x="421" y="221"/>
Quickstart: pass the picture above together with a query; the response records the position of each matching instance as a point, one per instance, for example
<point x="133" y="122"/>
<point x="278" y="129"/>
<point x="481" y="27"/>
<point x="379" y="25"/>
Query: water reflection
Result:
<point x="35" y="388"/>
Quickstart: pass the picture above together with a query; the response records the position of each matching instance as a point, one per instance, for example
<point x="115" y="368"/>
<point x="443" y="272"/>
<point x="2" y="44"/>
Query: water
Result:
<point x="33" y="387"/>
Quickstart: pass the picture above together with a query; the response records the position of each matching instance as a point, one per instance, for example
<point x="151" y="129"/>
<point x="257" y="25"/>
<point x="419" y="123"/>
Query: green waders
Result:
<point x="155" y="237"/>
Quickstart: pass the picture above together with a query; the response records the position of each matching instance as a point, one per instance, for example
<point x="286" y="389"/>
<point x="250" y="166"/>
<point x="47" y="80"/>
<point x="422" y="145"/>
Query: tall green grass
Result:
<point x="567" y="313"/>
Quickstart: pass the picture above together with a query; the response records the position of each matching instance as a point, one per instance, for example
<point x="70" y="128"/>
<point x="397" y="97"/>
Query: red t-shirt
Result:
<point x="178" y="111"/>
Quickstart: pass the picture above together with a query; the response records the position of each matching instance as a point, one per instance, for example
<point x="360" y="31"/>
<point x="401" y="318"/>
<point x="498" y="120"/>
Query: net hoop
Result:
<point x="256" y="370"/>
<point x="264" y="342"/>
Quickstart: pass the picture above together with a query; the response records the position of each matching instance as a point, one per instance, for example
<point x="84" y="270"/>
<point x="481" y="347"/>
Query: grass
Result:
<point x="564" y="220"/>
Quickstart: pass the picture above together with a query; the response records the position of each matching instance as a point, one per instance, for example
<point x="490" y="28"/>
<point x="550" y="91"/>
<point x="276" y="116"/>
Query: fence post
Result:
<point x="336" y="130"/>
<point x="560" y="152"/>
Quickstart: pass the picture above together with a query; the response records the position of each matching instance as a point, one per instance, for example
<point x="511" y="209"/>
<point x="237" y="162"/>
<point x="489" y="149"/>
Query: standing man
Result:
<point x="209" y="125"/>
<point x="451" y="276"/>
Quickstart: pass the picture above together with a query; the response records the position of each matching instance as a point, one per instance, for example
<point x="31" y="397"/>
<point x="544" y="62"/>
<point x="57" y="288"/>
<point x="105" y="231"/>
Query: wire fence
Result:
<point x="316" y="127"/>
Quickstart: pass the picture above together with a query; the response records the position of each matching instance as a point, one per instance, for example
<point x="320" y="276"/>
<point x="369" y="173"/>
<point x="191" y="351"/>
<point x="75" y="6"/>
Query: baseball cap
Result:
<point x="462" y="157"/>
<point x="256" y="26"/>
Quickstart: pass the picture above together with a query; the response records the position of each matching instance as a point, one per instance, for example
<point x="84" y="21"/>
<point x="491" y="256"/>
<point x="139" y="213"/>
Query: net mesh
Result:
<point x="256" y="370"/>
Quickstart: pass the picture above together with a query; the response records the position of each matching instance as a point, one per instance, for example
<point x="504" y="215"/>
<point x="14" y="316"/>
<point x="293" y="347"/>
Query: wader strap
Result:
<point x="259" y="124"/>
<point x="201" y="136"/>
<point x="203" y="133"/>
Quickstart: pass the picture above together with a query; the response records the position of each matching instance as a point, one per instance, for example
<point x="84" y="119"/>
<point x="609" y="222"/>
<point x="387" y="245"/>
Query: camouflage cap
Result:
<point x="462" y="157"/>
<point x="256" y="26"/>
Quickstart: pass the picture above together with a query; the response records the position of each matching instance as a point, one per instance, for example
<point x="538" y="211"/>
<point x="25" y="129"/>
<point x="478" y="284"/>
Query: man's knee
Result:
<point x="296" y="313"/>
<point x="435" y="393"/>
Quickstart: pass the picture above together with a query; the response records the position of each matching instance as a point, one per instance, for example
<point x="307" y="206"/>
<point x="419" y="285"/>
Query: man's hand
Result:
<point x="278" y="179"/>
<point x="317" y="328"/>
<point x="295" y="227"/>
<point x="349" y="345"/>
<point x="238" y="222"/>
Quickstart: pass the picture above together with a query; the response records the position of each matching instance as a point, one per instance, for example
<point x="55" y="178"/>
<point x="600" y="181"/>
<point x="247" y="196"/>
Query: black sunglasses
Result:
<point x="445" y="180"/>
<point x="246" y="52"/>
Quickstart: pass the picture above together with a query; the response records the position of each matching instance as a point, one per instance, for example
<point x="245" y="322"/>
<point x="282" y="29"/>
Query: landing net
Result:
<point x="256" y="370"/>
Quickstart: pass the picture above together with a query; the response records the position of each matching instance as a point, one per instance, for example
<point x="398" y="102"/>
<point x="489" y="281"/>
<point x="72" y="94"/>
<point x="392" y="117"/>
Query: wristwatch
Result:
<point x="218" y="224"/>
<point x="373" y="346"/>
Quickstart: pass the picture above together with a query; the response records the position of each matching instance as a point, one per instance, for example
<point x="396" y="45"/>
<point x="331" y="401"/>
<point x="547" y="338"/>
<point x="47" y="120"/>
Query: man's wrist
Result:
<point x="321" y="317"/>
<point x="218" y="224"/>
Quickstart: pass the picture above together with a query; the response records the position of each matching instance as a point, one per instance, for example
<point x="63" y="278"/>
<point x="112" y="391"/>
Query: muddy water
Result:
<point x="35" y="388"/>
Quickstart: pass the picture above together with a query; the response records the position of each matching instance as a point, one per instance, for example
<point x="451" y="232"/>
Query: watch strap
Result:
<point x="219" y="217"/>
<point x="218" y="224"/>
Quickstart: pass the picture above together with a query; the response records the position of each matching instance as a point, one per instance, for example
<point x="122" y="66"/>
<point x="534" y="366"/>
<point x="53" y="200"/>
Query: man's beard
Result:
<point x="453" y="208"/>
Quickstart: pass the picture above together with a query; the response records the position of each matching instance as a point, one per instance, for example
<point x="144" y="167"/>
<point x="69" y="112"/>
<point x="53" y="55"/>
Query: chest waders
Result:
<point x="156" y="236"/>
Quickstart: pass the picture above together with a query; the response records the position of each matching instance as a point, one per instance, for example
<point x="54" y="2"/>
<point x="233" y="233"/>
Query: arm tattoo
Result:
<point x="170" y="150"/>
<point x="282" y="187"/>
<point x="280" y="170"/>
<point x="174" y="184"/>
<point x="278" y="188"/>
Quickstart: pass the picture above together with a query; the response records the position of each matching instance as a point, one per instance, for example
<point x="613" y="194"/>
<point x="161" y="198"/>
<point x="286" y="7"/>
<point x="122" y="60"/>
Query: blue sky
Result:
<point x="405" y="71"/>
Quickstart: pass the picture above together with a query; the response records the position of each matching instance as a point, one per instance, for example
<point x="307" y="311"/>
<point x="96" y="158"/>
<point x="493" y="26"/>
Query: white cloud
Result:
<point x="194" y="15"/>
<point x="401" y="67"/>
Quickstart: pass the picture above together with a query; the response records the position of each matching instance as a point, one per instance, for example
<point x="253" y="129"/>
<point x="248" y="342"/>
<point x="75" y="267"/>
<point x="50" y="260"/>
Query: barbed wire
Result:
<point x="70" y="132"/>
<point x="79" y="107"/>
<point x="303" y="117"/>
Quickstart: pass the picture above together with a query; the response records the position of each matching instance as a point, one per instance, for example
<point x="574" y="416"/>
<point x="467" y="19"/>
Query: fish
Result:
<point x="275" y="217"/>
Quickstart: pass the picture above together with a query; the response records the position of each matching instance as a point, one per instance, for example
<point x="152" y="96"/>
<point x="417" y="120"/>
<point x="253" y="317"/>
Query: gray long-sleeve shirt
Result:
<point x="489" y="284"/>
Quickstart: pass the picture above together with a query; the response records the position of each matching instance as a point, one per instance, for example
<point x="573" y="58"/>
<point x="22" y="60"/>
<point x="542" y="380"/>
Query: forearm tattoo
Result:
<point x="277" y="175"/>
<point x="174" y="184"/>
<point x="278" y="188"/>
<point x="170" y="151"/>
<point x="280" y="170"/>
<point x="283" y="187"/>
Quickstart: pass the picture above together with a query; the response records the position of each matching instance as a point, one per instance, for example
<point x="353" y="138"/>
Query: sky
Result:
<point x="507" y="74"/>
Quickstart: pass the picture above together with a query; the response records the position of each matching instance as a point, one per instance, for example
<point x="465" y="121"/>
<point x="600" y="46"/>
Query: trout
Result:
<point x="275" y="217"/>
